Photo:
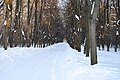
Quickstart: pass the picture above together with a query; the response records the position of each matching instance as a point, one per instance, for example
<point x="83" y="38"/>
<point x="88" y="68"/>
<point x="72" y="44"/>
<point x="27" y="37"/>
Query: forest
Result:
<point x="41" y="23"/>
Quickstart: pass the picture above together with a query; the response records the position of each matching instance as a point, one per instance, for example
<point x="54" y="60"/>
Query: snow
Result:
<point x="5" y="22"/>
<point x="93" y="6"/>
<point x="118" y="22"/>
<point x="76" y="16"/>
<point x="17" y="14"/>
<point x="1" y="2"/>
<point x="9" y="7"/>
<point x="23" y="33"/>
<point x="117" y="33"/>
<point x="57" y="62"/>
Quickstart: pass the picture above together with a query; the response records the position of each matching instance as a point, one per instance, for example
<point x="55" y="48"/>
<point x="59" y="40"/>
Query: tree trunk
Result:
<point x="35" y="26"/>
<point x="6" y="29"/>
<point x="28" y="24"/>
<point x="86" y="48"/>
<point x="16" y="26"/>
<point x="7" y="22"/>
<point x="92" y="30"/>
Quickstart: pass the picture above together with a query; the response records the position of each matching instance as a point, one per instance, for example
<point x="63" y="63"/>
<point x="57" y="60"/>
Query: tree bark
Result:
<point x="35" y="26"/>
<point x="86" y="48"/>
<point x="8" y="19"/>
<point x="92" y="30"/>
<point x="28" y="24"/>
<point x="6" y="30"/>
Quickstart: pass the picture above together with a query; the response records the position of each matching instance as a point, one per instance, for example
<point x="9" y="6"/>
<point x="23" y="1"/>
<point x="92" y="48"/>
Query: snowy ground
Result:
<point x="57" y="62"/>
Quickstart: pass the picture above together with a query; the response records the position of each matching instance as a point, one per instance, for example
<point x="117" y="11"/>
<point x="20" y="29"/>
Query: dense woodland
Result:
<point x="40" y="23"/>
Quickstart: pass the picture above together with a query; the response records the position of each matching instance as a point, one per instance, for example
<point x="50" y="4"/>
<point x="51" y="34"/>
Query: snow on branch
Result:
<point x="117" y="33"/>
<point x="5" y="22"/>
<point x="1" y="2"/>
<point x="8" y="7"/>
<point x="118" y="22"/>
<point x="77" y="17"/>
<point x="91" y="1"/>
<point x="23" y="33"/>
<point x="93" y="6"/>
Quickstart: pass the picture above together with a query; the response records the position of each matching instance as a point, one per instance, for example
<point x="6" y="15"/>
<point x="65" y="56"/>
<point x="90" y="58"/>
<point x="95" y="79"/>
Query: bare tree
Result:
<point x="8" y="14"/>
<point x="94" y="9"/>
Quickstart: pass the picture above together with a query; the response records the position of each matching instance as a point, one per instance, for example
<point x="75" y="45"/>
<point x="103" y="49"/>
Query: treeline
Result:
<point x="77" y="20"/>
<point x="108" y="24"/>
<point x="30" y="23"/>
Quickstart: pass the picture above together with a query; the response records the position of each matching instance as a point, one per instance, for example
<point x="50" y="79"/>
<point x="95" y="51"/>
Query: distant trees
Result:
<point x="80" y="25"/>
<point x="31" y="23"/>
<point x="73" y="28"/>
<point x="107" y="26"/>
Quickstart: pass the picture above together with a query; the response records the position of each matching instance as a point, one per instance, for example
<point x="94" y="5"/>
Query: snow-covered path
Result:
<point x="57" y="62"/>
<point x="33" y="63"/>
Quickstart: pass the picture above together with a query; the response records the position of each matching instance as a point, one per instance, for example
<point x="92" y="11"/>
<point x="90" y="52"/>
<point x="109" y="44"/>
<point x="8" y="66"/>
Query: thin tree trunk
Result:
<point x="16" y="26"/>
<point x="28" y="24"/>
<point x="86" y="48"/>
<point x="35" y="25"/>
<point x="6" y="29"/>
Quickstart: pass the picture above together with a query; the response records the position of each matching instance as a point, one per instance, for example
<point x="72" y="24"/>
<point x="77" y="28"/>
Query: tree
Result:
<point x="86" y="47"/>
<point x="92" y="29"/>
<point x="28" y="24"/>
<point x="8" y="4"/>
